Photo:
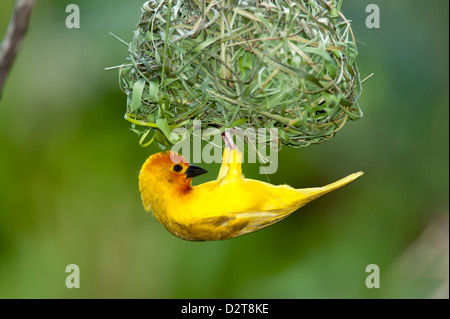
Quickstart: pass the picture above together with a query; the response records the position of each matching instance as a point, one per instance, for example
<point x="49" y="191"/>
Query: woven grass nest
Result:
<point x="288" y="65"/>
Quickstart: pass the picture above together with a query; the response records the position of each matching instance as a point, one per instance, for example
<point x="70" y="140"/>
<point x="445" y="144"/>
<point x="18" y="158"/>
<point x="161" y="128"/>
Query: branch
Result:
<point x="13" y="37"/>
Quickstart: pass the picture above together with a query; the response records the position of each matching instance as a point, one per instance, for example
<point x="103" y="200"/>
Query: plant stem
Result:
<point x="13" y="38"/>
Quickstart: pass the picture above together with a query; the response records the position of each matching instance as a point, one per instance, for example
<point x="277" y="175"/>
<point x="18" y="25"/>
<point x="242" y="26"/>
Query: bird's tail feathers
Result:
<point x="313" y="193"/>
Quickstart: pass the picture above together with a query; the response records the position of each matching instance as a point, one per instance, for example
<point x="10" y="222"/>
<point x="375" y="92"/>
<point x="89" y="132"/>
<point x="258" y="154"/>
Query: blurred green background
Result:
<point x="69" y="163"/>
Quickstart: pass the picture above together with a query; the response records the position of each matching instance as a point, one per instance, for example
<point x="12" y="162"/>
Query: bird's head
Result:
<point x="166" y="173"/>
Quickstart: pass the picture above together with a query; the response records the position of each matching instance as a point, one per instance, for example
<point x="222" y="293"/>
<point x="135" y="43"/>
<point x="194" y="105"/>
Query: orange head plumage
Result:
<point x="170" y="168"/>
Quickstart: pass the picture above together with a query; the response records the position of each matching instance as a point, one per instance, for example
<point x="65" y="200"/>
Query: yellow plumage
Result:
<point x="227" y="207"/>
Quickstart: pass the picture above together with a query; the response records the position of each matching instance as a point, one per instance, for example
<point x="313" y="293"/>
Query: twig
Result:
<point x="13" y="37"/>
<point x="366" y="78"/>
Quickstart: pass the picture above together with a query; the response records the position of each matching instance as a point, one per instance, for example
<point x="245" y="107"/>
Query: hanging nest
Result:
<point x="288" y="65"/>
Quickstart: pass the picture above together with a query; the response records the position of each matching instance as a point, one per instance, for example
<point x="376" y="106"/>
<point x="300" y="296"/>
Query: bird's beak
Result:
<point x="193" y="171"/>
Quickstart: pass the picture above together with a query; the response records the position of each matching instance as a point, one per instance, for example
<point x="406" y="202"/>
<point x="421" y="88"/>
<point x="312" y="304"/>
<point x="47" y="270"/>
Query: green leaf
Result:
<point x="284" y="136"/>
<point x="144" y="136"/>
<point x="138" y="88"/>
<point x="163" y="126"/>
<point x="153" y="91"/>
<point x="238" y="122"/>
<point x="319" y="52"/>
<point x="206" y="43"/>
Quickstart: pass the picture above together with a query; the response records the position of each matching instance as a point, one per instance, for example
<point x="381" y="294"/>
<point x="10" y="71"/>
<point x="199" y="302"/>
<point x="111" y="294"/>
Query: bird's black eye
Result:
<point x="177" y="168"/>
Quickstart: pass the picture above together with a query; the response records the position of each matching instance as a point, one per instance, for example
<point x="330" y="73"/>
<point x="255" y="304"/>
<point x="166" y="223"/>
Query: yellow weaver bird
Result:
<point x="227" y="207"/>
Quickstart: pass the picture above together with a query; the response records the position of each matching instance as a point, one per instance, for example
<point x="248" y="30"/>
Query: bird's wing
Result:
<point x="234" y="224"/>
